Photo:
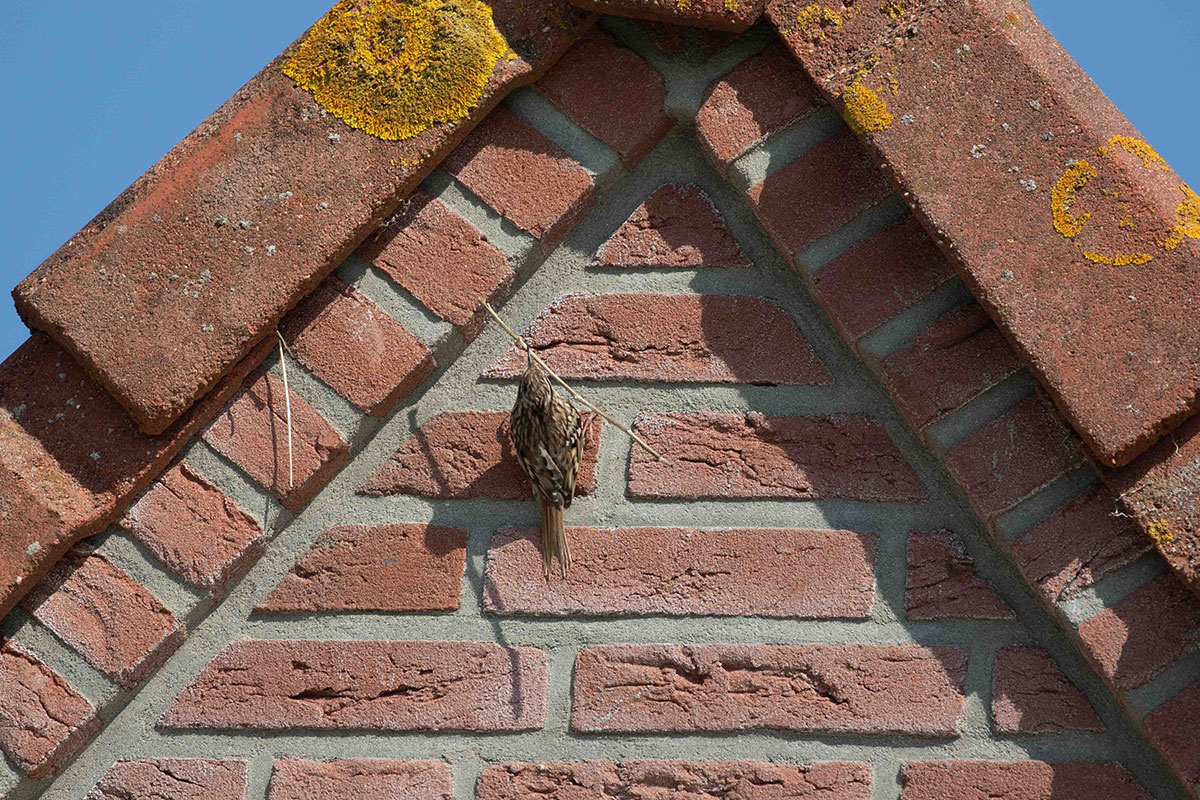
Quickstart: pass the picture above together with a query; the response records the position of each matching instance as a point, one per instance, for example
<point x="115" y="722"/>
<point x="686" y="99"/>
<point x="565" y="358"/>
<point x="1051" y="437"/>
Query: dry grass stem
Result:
<point x="287" y="399"/>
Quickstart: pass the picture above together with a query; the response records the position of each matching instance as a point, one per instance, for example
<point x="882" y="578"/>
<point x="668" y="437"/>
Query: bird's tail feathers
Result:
<point x="554" y="539"/>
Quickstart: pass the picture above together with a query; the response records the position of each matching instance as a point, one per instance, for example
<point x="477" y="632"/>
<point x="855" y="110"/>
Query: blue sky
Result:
<point x="95" y="93"/>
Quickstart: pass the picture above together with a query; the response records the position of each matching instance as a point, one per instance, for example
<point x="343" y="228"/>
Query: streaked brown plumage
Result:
<point x="547" y="434"/>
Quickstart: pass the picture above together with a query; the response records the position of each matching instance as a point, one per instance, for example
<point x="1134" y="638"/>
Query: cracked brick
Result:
<point x="942" y="582"/>
<point x="400" y="567"/>
<point x="173" y="779"/>
<point x="771" y="573"/>
<point x="1018" y="780"/>
<point x="469" y="454"/>
<point x="763" y="456"/>
<point x="1030" y="694"/>
<point x="366" y="685"/>
<point x="676" y="338"/>
<point x="677" y="227"/>
<point x="360" y="778"/>
<point x="806" y="688"/>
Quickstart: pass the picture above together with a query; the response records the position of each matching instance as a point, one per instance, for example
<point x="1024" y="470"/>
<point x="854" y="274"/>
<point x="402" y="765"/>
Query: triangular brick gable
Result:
<point x="635" y="195"/>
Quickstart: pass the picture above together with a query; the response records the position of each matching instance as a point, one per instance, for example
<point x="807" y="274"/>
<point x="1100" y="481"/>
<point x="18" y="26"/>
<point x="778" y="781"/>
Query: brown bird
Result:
<point x="547" y="434"/>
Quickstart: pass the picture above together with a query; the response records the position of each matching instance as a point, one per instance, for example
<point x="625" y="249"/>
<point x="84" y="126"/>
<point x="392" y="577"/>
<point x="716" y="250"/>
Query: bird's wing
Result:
<point x="565" y="433"/>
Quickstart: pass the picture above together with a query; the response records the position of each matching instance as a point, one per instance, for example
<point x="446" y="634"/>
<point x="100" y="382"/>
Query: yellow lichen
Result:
<point x="395" y="67"/>
<point x="1062" y="197"/>
<point x="1187" y="220"/>
<point x="1118" y="259"/>
<point x="817" y="22"/>
<point x="1160" y="531"/>
<point x="893" y="83"/>
<point x="1150" y="158"/>
<point x="864" y="111"/>
<point x="893" y="8"/>
<point x="1011" y="19"/>
<point x="731" y="6"/>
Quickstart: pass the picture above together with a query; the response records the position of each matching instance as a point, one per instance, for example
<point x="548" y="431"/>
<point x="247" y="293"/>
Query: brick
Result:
<point x="1006" y="460"/>
<point x="1160" y="490"/>
<point x="612" y="93"/>
<point x="195" y="529"/>
<point x="717" y="14"/>
<point x="1134" y="639"/>
<point x="668" y="338"/>
<point x="669" y="38"/>
<point x="524" y="176"/>
<point x="1089" y="197"/>
<point x="1077" y="544"/>
<point x="459" y="454"/>
<point x="43" y="720"/>
<point x="957" y="358"/>
<point x="1172" y="729"/>
<point x="879" y="277"/>
<point x="252" y="432"/>
<point x="166" y="289"/>
<point x="763" y="456"/>
<point x="115" y="623"/>
<point x="1018" y="780"/>
<point x="694" y="780"/>
<point x="1031" y="695"/>
<point x="673" y="571"/>
<point x="71" y="459"/>
<point x="833" y="183"/>
<point x="441" y="259"/>
<point x="677" y="226"/>
<point x="173" y="779"/>
<point x="361" y="778"/>
<point x="374" y="685"/>
<point x="353" y="346"/>
<point x="942" y="582"/>
<point x="806" y="688"/>
<point x="755" y="99"/>
<point x="401" y="567"/>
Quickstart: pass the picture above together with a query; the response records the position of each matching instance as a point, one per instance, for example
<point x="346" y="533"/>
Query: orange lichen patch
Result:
<point x="1117" y="259"/>
<point x="395" y="67"/>
<point x="1160" y="531"/>
<point x="1062" y="197"/>
<point x="1011" y="19"/>
<point x="864" y="111"/>
<point x="893" y="8"/>
<point x="1187" y="219"/>
<point x="1149" y="156"/>
<point x="817" y="22"/>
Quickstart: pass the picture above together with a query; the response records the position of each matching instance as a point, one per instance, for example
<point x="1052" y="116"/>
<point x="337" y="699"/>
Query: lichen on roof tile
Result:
<point x="394" y="67"/>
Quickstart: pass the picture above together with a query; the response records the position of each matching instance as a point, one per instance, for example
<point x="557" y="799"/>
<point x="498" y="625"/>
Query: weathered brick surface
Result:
<point x="469" y="454"/>
<point x="360" y="778"/>
<point x="677" y="226"/>
<point x="942" y="582"/>
<point x="195" y="529"/>
<point x="693" y="780"/>
<point x="1018" y="780"/>
<point x="1133" y="640"/>
<point x="172" y="779"/>
<point x="1172" y="728"/>
<point x="352" y="345"/>
<point x="718" y="14"/>
<point x="400" y="567"/>
<point x="527" y="178"/>
<point x="757" y="455"/>
<point x="955" y="359"/>
<point x="879" y="277"/>
<point x="830" y="688"/>
<point x="612" y="93"/>
<point x="114" y="622"/>
<point x="672" y="338"/>
<point x="1161" y="490"/>
<point x="441" y="259"/>
<point x="252" y="432"/>
<point x="1030" y="694"/>
<point x="771" y="573"/>
<point x="1006" y="460"/>
<point x="375" y="685"/>
<point x="166" y="289"/>
<point x="1077" y="545"/>
<point x="43" y="720"/>
<point x="70" y="458"/>
<point x="757" y="98"/>
<point x="1107" y="230"/>
<point x="832" y="183"/>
